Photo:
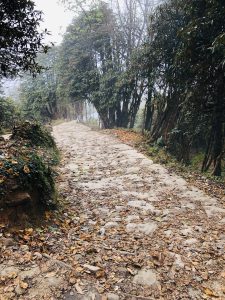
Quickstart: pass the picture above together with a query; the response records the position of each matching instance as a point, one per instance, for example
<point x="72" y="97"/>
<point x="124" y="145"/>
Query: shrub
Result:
<point x="34" y="133"/>
<point x="26" y="165"/>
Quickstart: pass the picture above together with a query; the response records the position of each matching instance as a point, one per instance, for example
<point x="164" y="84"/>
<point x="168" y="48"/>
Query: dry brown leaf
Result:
<point x="209" y="292"/>
<point x="23" y="285"/>
<point x="78" y="289"/>
<point x="100" y="274"/>
<point x="51" y="274"/>
<point x="13" y="275"/>
<point x="79" y="269"/>
<point x="26" y="170"/>
<point x="26" y="237"/>
<point x="29" y="231"/>
<point x="73" y="280"/>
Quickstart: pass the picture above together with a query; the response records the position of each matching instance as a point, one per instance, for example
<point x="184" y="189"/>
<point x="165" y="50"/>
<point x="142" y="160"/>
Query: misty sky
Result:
<point x="56" y="18"/>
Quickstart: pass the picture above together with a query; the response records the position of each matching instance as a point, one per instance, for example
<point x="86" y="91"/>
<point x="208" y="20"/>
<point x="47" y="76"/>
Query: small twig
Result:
<point x="125" y="252"/>
<point x="120" y="251"/>
<point x="59" y="262"/>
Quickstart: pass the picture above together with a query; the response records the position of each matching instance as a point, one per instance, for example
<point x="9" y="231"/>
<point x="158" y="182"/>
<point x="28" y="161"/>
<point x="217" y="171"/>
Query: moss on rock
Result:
<point x="26" y="166"/>
<point x="33" y="133"/>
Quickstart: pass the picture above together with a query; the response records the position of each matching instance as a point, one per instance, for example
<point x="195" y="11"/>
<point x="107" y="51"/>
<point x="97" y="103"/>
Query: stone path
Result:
<point x="129" y="230"/>
<point x="163" y="238"/>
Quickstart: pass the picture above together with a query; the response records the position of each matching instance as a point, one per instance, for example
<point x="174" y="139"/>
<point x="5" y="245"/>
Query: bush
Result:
<point x="8" y="113"/>
<point x="34" y="133"/>
<point x="27" y="173"/>
<point x="26" y="165"/>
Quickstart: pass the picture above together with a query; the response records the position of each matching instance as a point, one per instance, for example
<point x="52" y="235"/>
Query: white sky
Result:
<point x="55" y="18"/>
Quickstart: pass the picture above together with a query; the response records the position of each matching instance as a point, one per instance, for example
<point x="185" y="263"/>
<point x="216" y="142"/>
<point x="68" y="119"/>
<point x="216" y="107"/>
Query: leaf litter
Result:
<point x="75" y="254"/>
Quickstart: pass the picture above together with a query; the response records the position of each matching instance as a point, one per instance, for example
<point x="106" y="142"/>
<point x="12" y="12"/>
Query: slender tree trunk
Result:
<point x="124" y="114"/>
<point x="135" y="109"/>
<point x="118" y="115"/>
<point x="218" y="138"/>
<point x="149" y="110"/>
<point x="112" y="117"/>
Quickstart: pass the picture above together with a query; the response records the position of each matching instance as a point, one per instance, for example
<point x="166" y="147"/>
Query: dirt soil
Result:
<point x="129" y="229"/>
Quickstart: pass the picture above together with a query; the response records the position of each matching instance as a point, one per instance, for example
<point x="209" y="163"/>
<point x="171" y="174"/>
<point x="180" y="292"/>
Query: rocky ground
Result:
<point x="129" y="229"/>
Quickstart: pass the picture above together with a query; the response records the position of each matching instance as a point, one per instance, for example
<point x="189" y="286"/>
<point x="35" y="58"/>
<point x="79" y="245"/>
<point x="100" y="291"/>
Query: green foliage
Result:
<point x="34" y="134"/>
<point x="8" y="113"/>
<point x="39" y="95"/>
<point x="185" y="71"/>
<point x="21" y="39"/>
<point x="97" y="65"/>
<point x="29" y="172"/>
<point x="26" y="164"/>
<point x="86" y="62"/>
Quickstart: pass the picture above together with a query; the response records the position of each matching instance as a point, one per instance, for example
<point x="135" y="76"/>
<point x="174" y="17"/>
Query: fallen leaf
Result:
<point x="23" y="285"/>
<point x="209" y="292"/>
<point x="51" y="274"/>
<point x="12" y="275"/>
<point x="100" y="274"/>
<point x="29" y="231"/>
<point x="79" y="269"/>
<point x="78" y="289"/>
<point x="26" y="169"/>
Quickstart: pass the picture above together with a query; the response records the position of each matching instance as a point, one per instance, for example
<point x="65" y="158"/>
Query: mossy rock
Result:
<point x="27" y="177"/>
<point x="27" y="172"/>
<point x="33" y="133"/>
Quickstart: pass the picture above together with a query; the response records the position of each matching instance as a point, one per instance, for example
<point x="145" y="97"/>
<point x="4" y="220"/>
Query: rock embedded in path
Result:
<point x="141" y="204"/>
<point x="31" y="273"/>
<point x="7" y="242"/>
<point x="214" y="211"/>
<point x="119" y="208"/>
<point x="111" y="296"/>
<point x="146" y="228"/>
<point x="178" y="261"/>
<point x="92" y="268"/>
<point x="7" y="271"/>
<point x="132" y="218"/>
<point x="24" y="248"/>
<point x="53" y="281"/>
<point x="145" y="277"/>
<point x="190" y="242"/>
<point x="111" y="224"/>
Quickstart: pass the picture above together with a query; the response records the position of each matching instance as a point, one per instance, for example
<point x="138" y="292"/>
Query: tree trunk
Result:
<point x="148" y="109"/>
<point x="218" y="138"/>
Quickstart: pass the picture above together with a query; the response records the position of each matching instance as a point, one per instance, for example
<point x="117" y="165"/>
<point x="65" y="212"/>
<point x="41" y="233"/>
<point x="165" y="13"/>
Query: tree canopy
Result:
<point x="20" y="38"/>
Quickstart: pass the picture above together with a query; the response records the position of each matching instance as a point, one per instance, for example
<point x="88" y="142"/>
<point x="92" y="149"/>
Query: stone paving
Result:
<point x="175" y="229"/>
<point x="129" y="230"/>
